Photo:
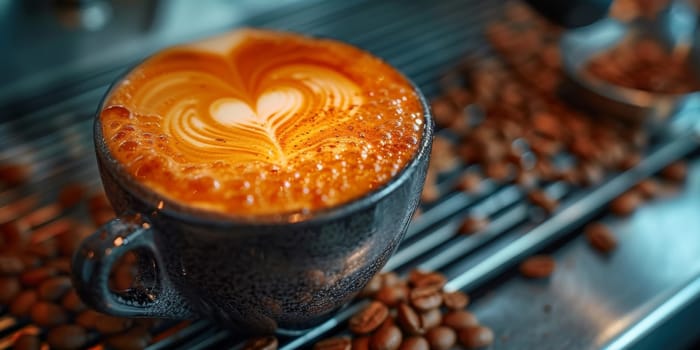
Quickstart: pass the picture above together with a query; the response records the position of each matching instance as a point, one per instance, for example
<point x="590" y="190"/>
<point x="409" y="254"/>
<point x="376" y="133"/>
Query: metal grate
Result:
<point x="421" y="38"/>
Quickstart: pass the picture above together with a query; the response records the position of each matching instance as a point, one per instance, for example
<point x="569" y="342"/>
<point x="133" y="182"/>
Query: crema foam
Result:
<point x="258" y="122"/>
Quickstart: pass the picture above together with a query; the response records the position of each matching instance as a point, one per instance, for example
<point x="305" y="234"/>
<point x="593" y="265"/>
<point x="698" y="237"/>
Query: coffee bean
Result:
<point x="27" y="342"/>
<point x="72" y="302"/>
<point x="476" y="337"/>
<point x="473" y="224"/>
<point x="62" y="265"/>
<point x="134" y="339"/>
<point x="337" y="343"/>
<point x="14" y="174"/>
<point x="443" y="111"/>
<point x="630" y="160"/>
<point x="430" y="319"/>
<point x="390" y="279"/>
<point x="499" y="171"/>
<point x="360" y="343"/>
<point x="71" y="195"/>
<point x="387" y="337"/>
<point x="469" y="182"/>
<point x="107" y="324"/>
<point x="10" y="266"/>
<point x="430" y="192"/>
<point x="538" y="266"/>
<point x="600" y="237"/>
<point x="67" y="337"/>
<point x="676" y="171"/>
<point x="9" y="288"/>
<point x="47" y="314"/>
<point x="459" y="319"/>
<point x="590" y="174"/>
<point x="441" y="338"/>
<point x="526" y="180"/>
<point x="123" y="277"/>
<point x="372" y="287"/>
<point x="34" y="277"/>
<point x="543" y="200"/>
<point x="102" y="217"/>
<point x="418" y="279"/>
<point x="455" y="300"/>
<point x="392" y="295"/>
<point x="426" y="298"/>
<point x="415" y="343"/>
<point x="14" y="233"/>
<point x="648" y="188"/>
<point x="45" y="249"/>
<point x="369" y="318"/>
<point x="409" y="320"/>
<point x="262" y="343"/>
<point x="88" y="319"/>
<point x="23" y="302"/>
<point x="54" y="288"/>
<point x="626" y="203"/>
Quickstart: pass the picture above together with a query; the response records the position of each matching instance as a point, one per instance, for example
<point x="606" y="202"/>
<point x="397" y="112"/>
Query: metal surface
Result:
<point x="640" y="295"/>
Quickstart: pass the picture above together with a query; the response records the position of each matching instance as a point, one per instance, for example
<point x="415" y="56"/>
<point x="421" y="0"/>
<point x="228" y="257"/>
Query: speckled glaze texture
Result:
<point x="251" y="275"/>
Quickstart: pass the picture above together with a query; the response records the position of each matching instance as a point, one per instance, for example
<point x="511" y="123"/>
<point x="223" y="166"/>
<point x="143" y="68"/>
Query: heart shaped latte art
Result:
<point x="262" y="122"/>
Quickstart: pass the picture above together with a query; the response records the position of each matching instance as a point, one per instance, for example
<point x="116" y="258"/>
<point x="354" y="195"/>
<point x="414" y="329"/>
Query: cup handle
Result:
<point x="95" y="258"/>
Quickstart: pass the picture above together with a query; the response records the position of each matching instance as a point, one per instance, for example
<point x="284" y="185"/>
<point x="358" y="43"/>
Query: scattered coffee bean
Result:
<point x="71" y="195"/>
<point x="443" y="111"/>
<point x="10" y="266"/>
<point x="430" y="319"/>
<point x="9" y="288"/>
<point x="387" y="337"/>
<point x="538" y="266"/>
<point x="372" y="287"/>
<point x="418" y="279"/>
<point x="360" y="343"/>
<point x="14" y="174"/>
<point x="67" y="337"/>
<point x="676" y="171"/>
<point x="543" y="200"/>
<point x="469" y="182"/>
<point x="34" y="277"/>
<point x="600" y="237"/>
<point x="441" y="338"/>
<point x="337" y="343"/>
<point x="47" y="314"/>
<point x="88" y="319"/>
<point x="54" y="288"/>
<point x="648" y="188"/>
<point x="72" y="302"/>
<point x="132" y="340"/>
<point x="626" y="204"/>
<point x="459" y="319"/>
<point x="262" y="343"/>
<point x="476" y="337"/>
<point x="63" y="265"/>
<point x="23" y="303"/>
<point x="27" y="342"/>
<point x="455" y="300"/>
<point x="392" y="295"/>
<point x="107" y="324"/>
<point x="390" y="279"/>
<point x="409" y="320"/>
<point x="430" y="192"/>
<point x="473" y="224"/>
<point x="369" y="318"/>
<point x="426" y="298"/>
<point x="414" y="343"/>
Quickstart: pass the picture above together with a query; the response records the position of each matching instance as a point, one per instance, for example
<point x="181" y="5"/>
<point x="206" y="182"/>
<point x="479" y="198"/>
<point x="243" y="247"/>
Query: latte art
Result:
<point x="258" y="122"/>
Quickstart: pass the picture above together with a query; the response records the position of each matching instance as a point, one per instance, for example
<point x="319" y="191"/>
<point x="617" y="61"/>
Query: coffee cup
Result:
<point x="252" y="273"/>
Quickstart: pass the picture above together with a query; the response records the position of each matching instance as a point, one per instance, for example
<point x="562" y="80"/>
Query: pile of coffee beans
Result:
<point x="411" y="314"/>
<point x="35" y="283"/>
<point x="644" y="64"/>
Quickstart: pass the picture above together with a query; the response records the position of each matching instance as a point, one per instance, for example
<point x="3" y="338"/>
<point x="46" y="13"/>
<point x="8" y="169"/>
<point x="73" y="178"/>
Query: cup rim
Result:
<point x="165" y="206"/>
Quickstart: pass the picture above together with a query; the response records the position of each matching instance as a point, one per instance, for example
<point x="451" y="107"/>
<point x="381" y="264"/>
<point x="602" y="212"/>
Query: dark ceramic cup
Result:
<point x="254" y="275"/>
